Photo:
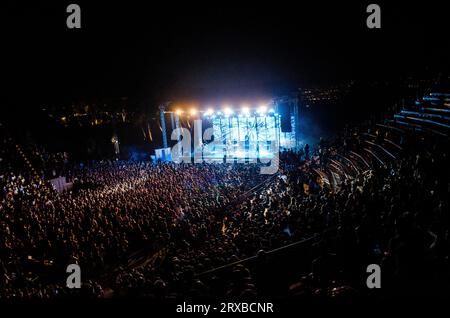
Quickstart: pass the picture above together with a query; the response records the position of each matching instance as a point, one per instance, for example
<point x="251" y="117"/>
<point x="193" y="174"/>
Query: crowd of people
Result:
<point x="167" y="231"/>
<point x="115" y="208"/>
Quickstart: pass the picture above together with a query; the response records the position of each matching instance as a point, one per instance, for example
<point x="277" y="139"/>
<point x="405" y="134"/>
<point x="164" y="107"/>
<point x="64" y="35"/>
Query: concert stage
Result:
<point x="233" y="134"/>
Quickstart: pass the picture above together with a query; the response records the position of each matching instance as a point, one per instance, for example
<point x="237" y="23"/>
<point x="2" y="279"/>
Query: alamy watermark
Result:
<point x="374" y="279"/>
<point x="73" y="21"/>
<point x="374" y="19"/>
<point x="74" y="279"/>
<point x="248" y="152"/>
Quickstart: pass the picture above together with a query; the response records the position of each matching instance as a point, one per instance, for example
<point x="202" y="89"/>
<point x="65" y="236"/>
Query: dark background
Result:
<point x="186" y="51"/>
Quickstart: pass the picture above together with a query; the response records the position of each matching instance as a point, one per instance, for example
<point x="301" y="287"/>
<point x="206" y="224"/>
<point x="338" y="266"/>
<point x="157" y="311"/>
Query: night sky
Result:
<point x="220" y="50"/>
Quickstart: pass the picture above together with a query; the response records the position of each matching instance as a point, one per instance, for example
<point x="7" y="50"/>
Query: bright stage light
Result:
<point x="262" y="109"/>
<point x="209" y="112"/>
<point x="246" y="110"/>
<point x="193" y="111"/>
<point x="178" y="112"/>
<point x="228" y="111"/>
<point x="271" y="110"/>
